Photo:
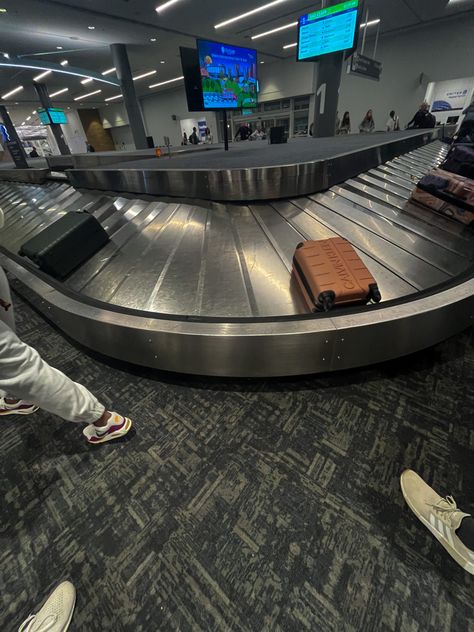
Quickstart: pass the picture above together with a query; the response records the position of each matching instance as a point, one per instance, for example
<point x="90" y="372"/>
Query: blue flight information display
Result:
<point x="328" y="30"/>
<point x="57" y="115"/>
<point x="228" y="76"/>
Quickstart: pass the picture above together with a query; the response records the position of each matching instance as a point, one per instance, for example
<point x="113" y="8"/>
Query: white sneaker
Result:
<point x="56" y="613"/>
<point x="440" y="515"/>
<point x="20" y="408"/>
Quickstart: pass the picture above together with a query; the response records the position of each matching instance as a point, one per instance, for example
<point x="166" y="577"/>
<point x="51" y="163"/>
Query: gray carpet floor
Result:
<point x="241" y="506"/>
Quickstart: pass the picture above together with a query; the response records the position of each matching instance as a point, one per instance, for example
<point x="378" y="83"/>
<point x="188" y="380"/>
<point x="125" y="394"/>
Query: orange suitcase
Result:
<point x="331" y="273"/>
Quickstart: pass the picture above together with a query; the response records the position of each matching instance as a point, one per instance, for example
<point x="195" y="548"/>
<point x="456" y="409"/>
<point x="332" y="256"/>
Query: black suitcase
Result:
<point x="277" y="135"/>
<point x="65" y="244"/>
<point x="460" y="160"/>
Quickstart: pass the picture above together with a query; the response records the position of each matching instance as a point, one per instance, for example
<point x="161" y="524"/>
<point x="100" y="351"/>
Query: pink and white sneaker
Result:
<point x="116" y="427"/>
<point x="20" y="408"/>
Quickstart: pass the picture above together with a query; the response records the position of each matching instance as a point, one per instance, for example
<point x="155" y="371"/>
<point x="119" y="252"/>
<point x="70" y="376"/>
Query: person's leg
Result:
<point x="24" y="375"/>
<point x="7" y="314"/>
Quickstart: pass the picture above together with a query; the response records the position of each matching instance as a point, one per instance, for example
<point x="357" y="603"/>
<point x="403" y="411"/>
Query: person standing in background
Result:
<point x="423" y="118"/>
<point x="345" y="126"/>
<point x="367" y="125"/>
<point x="393" y="123"/>
<point x="193" y="138"/>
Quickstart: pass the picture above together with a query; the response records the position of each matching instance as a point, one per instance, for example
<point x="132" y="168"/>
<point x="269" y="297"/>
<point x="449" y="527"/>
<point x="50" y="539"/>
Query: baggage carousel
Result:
<point x="205" y="287"/>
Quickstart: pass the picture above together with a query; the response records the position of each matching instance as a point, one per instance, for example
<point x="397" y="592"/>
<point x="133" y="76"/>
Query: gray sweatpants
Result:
<point x="25" y="375"/>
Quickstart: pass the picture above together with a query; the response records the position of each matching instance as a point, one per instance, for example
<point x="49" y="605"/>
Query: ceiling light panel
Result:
<point x="117" y="96"/>
<point x="108" y="72"/>
<point x="163" y="83"/>
<point x="290" y="45"/>
<point x="12" y="92"/>
<point x="86" y="81"/>
<point x="145" y="74"/>
<point x="42" y="75"/>
<point x="62" y="91"/>
<point x="279" y="28"/>
<point x="247" y="14"/>
<point x="166" y="5"/>
<point x="85" y="96"/>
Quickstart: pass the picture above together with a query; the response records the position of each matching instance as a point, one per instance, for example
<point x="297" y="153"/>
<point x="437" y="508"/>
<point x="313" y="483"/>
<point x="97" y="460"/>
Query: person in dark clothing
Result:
<point x="34" y="153"/>
<point x="243" y="132"/>
<point x="423" y="118"/>
<point x="193" y="138"/>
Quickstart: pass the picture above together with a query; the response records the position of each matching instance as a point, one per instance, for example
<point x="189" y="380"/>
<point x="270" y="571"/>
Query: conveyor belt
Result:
<point x="226" y="269"/>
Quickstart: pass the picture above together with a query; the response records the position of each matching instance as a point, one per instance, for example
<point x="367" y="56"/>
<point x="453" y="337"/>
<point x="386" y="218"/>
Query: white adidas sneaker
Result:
<point x="56" y="613"/>
<point x="440" y="515"/>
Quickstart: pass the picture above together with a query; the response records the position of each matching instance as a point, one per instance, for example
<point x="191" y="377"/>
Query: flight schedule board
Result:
<point x="328" y="30"/>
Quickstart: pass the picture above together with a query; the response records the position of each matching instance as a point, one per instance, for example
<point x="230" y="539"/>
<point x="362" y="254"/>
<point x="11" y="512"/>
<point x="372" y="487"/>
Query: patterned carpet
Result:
<point x="241" y="506"/>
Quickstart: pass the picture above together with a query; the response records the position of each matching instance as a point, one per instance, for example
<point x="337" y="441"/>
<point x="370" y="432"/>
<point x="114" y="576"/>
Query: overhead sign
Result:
<point x="365" y="66"/>
<point x="451" y="95"/>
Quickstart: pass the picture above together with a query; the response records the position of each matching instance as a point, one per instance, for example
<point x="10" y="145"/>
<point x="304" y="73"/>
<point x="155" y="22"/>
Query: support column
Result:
<point x="328" y="73"/>
<point x="45" y="100"/>
<point x="14" y="145"/>
<point x="124" y="74"/>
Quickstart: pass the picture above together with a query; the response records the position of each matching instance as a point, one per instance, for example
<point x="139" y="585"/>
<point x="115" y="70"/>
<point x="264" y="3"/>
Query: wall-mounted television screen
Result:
<point x="328" y="30"/>
<point x="57" y="115"/>
<point x="228" y="76"/>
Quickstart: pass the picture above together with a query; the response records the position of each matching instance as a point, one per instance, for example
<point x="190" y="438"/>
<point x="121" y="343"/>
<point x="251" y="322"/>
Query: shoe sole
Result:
<point x="114" y="435"/>
<point x="5" y="413"/>
<point x="467" y="566"/>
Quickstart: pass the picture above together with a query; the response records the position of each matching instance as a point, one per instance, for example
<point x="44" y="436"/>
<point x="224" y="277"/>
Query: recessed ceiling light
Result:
<point x="162" y="61"/>
<point x="269" y="5"/>
<point x="64" y="62"/>
<point x="262" y="62"/>
<point x="34" y="112"/>
<point x="6" y="55"/>
<point x="162" y="83"/>
<point x="109" y="71"/>
<point x="165" y="5"/>
<point x="12" y="92"/>
<point x="3" y="10"/>
<point x="117" y="96"/>
<point x="152" y="39"/>
<point x="290" y="45"/>
<point x="59" y="47"/>
<point x="279" y="28"/>
<point x="28" y="118"/>
<point x="145" y="74"/>
<point x="86" y="81"/>
<point x="91" y="28"/>
<point x="89" y="94"/>
<point x="55" y="94"/>
<point x="42" y="75"/>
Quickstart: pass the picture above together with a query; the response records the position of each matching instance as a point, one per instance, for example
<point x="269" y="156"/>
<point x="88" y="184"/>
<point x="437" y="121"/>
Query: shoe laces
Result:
<point x="46" y="625"/>
<point x="446" y="508"/>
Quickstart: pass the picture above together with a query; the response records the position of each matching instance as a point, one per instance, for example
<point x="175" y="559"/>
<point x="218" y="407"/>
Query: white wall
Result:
<point x="158" y="110"/>
<point x="410" y="61"/>
<point x="287" y="78"/>
<point x="122" y="137"/>
<point x="113" y="115"/>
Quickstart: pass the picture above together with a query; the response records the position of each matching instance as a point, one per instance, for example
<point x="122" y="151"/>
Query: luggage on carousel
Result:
<point x="447" y="193"/>
<point x="460" y="160"/>
<point x="331" y="273"/>
<point x="65" y="244"/>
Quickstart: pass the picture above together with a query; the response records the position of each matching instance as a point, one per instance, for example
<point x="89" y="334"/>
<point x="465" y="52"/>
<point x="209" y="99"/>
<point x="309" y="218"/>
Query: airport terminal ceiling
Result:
<point x="81" y="32"/>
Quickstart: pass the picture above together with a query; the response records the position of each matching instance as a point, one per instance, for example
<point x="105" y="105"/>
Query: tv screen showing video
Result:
<point x="328" y="30"/>
<point x="228" y="76"/>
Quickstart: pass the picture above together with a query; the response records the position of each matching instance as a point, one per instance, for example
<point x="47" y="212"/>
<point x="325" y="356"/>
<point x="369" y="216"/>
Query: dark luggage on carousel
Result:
<point x="330" y="273"/>
<point x="277" y="135"/>
<point x="65" y="244"/>
<point x="447" y="193"/>
<point x="460" y="160"/>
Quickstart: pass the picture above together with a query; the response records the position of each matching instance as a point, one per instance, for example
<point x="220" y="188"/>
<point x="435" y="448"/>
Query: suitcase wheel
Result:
<point x="300" y="245"/>
<point x="374" y="293"/>
<point x="326" y="300"/>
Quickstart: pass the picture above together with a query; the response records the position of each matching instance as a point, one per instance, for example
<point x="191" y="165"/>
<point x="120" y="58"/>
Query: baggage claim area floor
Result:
<point x="240" y="504"/>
